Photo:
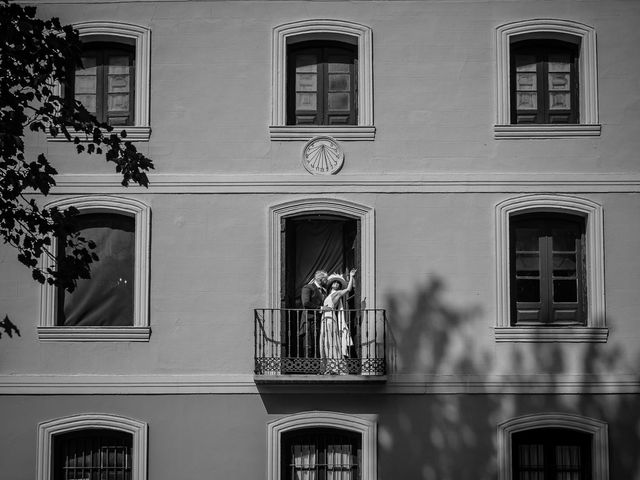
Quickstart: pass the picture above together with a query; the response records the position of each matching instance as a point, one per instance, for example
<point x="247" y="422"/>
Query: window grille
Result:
<point x="93" y="455"/>
<point x="322" y="454"/>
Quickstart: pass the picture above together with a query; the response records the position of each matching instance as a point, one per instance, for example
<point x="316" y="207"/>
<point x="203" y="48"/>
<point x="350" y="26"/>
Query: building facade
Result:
<point x="475" y="161"/>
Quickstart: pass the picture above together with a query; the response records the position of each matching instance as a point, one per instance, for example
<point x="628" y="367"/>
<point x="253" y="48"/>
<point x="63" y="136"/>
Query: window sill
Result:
<point x="545" y="131"/>
<point x="305" y="133"/>
<point x="94" y="334"/>
<point x="134" y="134"/>
<point x="552" y="334"/>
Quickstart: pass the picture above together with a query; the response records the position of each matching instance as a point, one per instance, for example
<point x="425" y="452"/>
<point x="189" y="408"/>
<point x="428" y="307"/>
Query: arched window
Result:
<point x="112" y="304"/>
<point x="322" y="445"/>
<point x="92" y="446"/>
<point x="548" y="446"/>
<point x="322" y="81"/>
<point x="114" y="80"/>
<point x="550" y="269"/>
<point x="546" y="80"/>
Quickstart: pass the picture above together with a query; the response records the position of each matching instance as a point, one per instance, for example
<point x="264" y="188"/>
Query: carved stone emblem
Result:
<point x="322" y="156"/>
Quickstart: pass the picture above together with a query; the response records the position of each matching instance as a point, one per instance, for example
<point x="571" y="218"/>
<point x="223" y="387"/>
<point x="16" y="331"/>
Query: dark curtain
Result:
<point x="319" y="246"/>
<point x="106" y="299"/>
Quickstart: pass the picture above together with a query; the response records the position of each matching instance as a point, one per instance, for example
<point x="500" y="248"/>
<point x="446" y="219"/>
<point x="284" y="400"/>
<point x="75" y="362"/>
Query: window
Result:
<point x="92" y="446"/>
<point x="551" y="453"/>
<point x="114" y="83"/>
<point x="321" y="89"/>
<point x="322" y="446"/>
<point x="547" y="270"/>
<point x="544" y="85"/>
<point x="323" y="453"/>
<point x="105" y="299"/>
<point x="322" y="81"/>
<point x="112" y="305"/>
<point x="553" y="445"/>
<point x="105" y="83"/>
<point x="546" y="80"/>
<point x="92" y="453"/>
<point x="550" y="270"/>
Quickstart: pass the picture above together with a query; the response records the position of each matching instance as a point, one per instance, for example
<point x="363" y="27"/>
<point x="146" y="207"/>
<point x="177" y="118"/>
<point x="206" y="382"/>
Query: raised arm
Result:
<point x="339" y="293"/>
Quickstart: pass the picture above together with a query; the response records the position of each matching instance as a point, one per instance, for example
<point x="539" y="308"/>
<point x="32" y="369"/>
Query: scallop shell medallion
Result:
<point x="322" y="156"/>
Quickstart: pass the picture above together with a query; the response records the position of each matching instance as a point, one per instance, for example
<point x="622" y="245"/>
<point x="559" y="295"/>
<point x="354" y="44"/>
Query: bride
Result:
<point x="335" y="337"/>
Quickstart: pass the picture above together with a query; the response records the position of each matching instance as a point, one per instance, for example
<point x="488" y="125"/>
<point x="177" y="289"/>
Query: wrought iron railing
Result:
<point x="291" y="341"/>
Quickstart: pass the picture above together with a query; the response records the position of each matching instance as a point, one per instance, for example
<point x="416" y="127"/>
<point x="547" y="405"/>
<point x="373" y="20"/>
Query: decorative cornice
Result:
<point x="202" y="183"/>
<point x="244" y="384"/>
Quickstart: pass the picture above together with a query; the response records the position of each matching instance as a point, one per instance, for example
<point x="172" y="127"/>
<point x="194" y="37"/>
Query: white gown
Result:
<point x="335" y="337"/>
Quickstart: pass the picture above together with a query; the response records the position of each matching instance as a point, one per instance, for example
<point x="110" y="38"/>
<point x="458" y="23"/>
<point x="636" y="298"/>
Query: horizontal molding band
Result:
<point x="134" y="134"/>
<point x="552" y="334"/>
<point x="524" y="131"/>
<point x="293" y="133"/>
<point x="77" y="184"/>
<point x="245" y="384"/>
<point x="93" y="334"/>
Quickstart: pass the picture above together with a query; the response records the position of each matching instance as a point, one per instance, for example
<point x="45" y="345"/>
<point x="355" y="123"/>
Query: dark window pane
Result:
<point x="527" y="265"/>
<point x="564" y="265"/>
<point x="565" y="291"/>
<point x="105" y="299"/>
<point x="527" y="239"/>
<point x="564" y="240"/>
<point x="527" y="290"/>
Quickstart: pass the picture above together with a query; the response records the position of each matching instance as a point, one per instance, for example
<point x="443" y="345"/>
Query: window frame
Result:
<point x="140" y="331"/>
<point x="366" y="426"/>
<point x="544" y="222"/>
<point x="595" y="329"/>
<point x="541" y="50"/>
<point x="323" y="50"/>
<point x="101" y="51"/>
<point x="140" y="38"/>
<point x="325" y="30"/>
<point x="547" y="29"/>
<point x="89" y="421"/>
<point x="596" y="428"/>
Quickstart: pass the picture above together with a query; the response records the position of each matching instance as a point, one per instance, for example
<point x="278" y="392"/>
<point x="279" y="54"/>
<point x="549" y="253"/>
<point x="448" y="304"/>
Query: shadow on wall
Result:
<point x="433" y="435"/>
<point x="453" y="436"/>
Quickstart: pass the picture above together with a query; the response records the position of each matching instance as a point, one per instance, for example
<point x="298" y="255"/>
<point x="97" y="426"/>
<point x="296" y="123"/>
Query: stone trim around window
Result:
<point x="322" y="205"/>
<point x="322" y="29"/>
<point x="140" y="38"/>
<point x="588" y="78"/>
<point x="595" y="329"/>
<point x="140" y="331"/>
<point x="47" y="430"/>
<point x="597" y="429"/>
<point x="365" y="426"/>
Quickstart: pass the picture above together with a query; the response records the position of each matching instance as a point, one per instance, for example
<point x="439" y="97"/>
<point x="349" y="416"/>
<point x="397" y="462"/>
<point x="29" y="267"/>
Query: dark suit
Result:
<point x="309" y="329"/>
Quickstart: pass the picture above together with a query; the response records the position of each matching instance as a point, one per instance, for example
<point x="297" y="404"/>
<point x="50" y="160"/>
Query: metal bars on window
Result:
<point x="322" y="454"/>
<point x="95" y="454"/>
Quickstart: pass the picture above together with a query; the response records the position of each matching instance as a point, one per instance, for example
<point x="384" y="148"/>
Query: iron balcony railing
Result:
<point x="290" y="341"/>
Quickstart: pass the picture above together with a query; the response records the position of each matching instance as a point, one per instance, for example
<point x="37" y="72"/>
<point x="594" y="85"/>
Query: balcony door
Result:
<point x="318" y="242"/>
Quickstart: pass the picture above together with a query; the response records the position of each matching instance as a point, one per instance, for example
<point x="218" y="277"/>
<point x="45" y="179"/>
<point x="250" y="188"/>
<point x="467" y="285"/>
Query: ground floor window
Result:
<point x="92" y="454"/>
<point x="551" y="454"/>
<point x="322" y="454"/>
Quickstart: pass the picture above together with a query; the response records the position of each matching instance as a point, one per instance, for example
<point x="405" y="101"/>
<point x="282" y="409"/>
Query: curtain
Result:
<point x="318" y="247"/>
<point x="105" y="299"/>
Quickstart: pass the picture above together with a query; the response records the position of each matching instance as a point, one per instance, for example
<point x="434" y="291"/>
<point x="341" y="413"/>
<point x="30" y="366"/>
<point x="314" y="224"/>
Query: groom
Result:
<point x="312" y="296"/>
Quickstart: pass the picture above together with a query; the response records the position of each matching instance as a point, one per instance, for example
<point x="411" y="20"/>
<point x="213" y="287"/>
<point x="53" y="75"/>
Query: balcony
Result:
<point x="297" y="345"/>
